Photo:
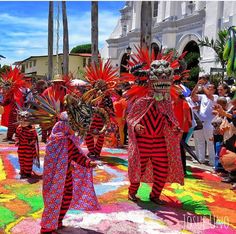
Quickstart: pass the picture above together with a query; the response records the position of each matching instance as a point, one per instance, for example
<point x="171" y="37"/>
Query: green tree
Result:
<point x="217" y="45"/>
<point x="85" y="48"/>
<point x="4" y="68"/>
<point x="192" y="60"/>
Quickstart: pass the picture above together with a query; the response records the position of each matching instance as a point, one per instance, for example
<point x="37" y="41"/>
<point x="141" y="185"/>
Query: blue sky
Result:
<point x="23" y="26"/>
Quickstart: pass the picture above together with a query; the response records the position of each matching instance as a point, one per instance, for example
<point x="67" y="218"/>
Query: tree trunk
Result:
<point x="50" y="41"/>
<point x="94" y="31"/>
<point x="65" y="40"/>
<point x="146" y="25"/>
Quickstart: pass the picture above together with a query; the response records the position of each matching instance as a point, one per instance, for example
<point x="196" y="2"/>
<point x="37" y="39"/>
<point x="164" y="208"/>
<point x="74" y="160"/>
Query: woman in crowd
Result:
<point x="228" y="129"/>
<point x="223" y="91"/>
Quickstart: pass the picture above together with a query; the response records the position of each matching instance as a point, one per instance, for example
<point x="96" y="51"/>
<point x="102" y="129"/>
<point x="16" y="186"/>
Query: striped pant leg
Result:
<point x="11" y="125"/>
<point x="99" y="144"/>
<point x="133" y="188"/>
<point x="28" y="162"/>
<point x="90" y="143"/>
<point x="160" y="167"/>
<point x="67" y="197"/>
<point x="10" y="131"/>
<point x="183" y="153"/>
<point x="21" y="162"/>
<point x="144" y="153"/>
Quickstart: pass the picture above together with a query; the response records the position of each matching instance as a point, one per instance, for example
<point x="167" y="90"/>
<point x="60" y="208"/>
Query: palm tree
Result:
<point x="217" y="45"/>
<point x="94" y="31"/>
<point x="50" y="41"/>
<point x="65" y="40"/>
<point x="146" y="25"/>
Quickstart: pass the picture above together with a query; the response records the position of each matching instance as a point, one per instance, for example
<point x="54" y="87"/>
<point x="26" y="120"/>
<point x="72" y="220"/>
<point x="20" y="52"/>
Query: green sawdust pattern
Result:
<point x="28" y="194"/>
<point x="6" y="216"/>
<point x="187" y="201"/>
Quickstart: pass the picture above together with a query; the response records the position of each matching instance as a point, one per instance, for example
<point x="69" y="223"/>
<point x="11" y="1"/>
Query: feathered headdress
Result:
<point x="11" y="81"/>
<point x="103" y="79"/>
<point x="45" y="111"/>
<point x="140" y="64"/>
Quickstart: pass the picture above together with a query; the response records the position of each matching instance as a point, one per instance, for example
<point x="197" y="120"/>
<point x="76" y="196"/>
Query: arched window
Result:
<point x="124" y="63"/>
<point x="192" y="59"/>
<point x="124" y="30"/>
<point x="155" y="48"/>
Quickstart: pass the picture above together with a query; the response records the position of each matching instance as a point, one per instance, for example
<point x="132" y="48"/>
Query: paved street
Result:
<point x="202" y="205"/>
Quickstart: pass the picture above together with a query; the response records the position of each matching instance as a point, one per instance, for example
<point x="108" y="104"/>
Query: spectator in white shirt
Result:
<point x="206" y="104"/>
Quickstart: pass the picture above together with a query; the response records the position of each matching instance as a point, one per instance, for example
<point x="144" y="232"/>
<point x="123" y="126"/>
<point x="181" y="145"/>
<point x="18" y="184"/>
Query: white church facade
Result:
<point x="175" y="24"/>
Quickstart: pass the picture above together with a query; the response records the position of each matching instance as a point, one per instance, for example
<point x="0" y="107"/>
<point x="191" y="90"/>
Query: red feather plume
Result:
<point x="13" y="79"/>
<point x="104" y="72"/>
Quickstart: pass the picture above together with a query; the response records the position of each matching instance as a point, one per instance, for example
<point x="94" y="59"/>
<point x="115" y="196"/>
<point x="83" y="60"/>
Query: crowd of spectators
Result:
<point x="213" y="127"/>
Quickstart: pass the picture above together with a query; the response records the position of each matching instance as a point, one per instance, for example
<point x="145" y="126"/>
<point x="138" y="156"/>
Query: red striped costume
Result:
<point x="97" y="123"/>
<point x="11" y="84"/>
<point x="152" y="146"/>
<point x="93" y="147"/>
<point x="26" y="138"/>
<point x="155" y="155"/>
<point x="67" y="177"/>
<point x="103" y="79"/>
<point x="73" y="155"/>
<point x="11" y="115"/>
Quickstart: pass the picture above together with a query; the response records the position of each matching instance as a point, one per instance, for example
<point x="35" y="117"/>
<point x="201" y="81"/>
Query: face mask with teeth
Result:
<point x="160" y="79"/>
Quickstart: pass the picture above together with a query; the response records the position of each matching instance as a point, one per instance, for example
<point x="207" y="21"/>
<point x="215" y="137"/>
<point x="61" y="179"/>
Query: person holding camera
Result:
<point x="206" y="103"/>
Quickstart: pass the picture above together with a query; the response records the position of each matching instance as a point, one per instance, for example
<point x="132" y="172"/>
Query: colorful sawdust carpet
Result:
<point x="202" y="205"/>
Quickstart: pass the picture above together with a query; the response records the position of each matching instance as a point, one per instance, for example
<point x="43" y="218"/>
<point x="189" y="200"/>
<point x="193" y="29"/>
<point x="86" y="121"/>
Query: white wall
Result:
<point x="208" y="18"/>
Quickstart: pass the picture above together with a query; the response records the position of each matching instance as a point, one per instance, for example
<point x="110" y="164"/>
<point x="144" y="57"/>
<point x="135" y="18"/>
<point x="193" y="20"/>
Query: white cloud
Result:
<point x="24" y="21"/>
<point x="20" y="52"/>
<point x="27" y="36"/>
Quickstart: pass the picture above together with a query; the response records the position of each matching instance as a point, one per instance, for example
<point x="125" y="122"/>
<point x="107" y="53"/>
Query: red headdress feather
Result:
<point x="106" y="73"/>
<point x="13" y="79"/>
<point x="99" y="72"/>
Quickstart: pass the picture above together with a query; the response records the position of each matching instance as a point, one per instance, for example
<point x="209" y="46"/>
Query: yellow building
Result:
<point x="38" y="65"/>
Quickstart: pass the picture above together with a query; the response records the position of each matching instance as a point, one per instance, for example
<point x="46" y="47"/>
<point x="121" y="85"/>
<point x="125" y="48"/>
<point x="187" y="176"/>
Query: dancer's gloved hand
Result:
<point x="177" y="129"/>
<point x="139" y="129"/>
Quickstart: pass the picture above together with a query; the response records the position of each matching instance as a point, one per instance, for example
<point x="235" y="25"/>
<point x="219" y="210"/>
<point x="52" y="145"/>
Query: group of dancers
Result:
<point x="69" y="116"/>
